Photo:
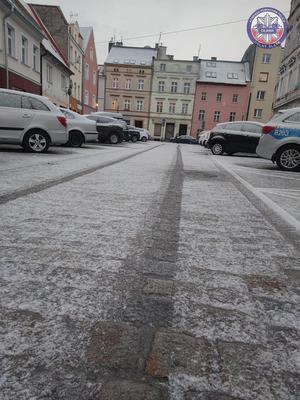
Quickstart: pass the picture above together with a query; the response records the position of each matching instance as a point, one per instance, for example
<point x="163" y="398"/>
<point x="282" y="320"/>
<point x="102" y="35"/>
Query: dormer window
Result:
<point x="210" y="74"/>
<point x="232" y="75"/>
<point x="211" y="64"/>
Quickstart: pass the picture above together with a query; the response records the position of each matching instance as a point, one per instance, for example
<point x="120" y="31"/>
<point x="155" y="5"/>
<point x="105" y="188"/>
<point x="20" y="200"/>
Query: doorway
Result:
<point x="182" y="129"/>
<point x="169" y="131"/>
<point x="138" y="123"/>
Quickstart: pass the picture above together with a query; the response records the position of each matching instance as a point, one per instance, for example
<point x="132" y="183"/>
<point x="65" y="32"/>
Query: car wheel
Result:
<point x="217" y="149"/>
<point x="114" y="138"/>
<point x="134" y="138"/>
<point x="36" y="142"/>
<point x="75" y="139"/>
<point x="288" y="158"/>
<point x="144" y="139"/>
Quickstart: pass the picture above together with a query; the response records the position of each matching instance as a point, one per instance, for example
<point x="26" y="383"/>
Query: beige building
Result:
<point x="264" y="69"/>
<point x="288" y="88"/>
<point x="128" y="75"/>
<point x="76" y="64"/>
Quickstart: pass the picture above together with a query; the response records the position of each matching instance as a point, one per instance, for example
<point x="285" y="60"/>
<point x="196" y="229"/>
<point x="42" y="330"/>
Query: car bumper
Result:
<point x="59" y="137"/>
<point x="267" y="146"/>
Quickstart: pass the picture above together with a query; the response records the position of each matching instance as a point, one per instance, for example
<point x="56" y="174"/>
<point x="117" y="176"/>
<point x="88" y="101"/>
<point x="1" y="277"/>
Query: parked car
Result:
<point x="144" y="134"/>
<point x="80" y="129"/>
<point x="235" y="137"/>
<point x="203" y="138"/>
<point x="109" y="129"/>
<point x="31" y="121"/>
<point x="184" y="139"/>
<point x="280" y="140"/>
<point x="132" y="134"/>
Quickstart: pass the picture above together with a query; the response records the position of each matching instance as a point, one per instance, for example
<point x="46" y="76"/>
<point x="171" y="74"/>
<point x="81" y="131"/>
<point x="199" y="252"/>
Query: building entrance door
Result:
<point x="138" y="123"/>
<point x="169" y="131"/>
<point x="182" y="129"/>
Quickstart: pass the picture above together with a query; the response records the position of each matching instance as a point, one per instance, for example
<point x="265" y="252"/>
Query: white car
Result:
<point x="144" y="134"/>
<point x="80" y="129"/>
<point x="203" y="138"/>
<point x="280" y="141"/>
<point x="31" y="121"/>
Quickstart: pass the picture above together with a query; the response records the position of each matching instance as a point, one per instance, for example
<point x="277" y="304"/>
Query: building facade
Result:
<point x="128" y="75"/>
<point x="264" y="69"/>
<point x="287" y="93"/>
<point x="222" y="93"/>
<point x="101" y="88"/>
<point x="172" y="96"/>
<point x="90" y="71"/>
<point x="20" y="38"/>
<point x="69" y="40"/>
<point x="55" y="69"/>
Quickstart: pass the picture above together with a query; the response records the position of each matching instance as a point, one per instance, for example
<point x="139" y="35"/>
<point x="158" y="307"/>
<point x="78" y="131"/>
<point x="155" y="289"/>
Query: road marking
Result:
<point x="280" y="212"/>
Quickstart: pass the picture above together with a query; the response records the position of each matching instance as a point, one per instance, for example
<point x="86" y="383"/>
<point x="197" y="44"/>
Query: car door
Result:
<point x="234" y="137"/>
<point x="13" y="119"/>
<point x="252" y="135"/>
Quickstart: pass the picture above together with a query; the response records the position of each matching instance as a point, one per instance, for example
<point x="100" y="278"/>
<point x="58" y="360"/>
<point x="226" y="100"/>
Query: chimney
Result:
<point x="195" y="58"/>
<point x="119" y="44"/>
<point x="213" y="58"/>
<point x="111" y="43"/>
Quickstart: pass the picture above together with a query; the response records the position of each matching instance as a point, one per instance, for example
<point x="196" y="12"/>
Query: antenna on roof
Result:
<point x="199" y="49"/>
<point x="72" y="16"/>
<point x="159" y="39"/>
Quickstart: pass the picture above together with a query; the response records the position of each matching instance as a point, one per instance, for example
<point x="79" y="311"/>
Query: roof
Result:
<point x="86" y="33"/>
<point x="131" y="55"/>
<point x="226" y="72"/>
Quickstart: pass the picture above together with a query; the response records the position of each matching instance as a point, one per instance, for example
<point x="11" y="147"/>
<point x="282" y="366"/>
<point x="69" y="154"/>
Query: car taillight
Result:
<point x="63" y="120"/>
<point x="268" y="128"/>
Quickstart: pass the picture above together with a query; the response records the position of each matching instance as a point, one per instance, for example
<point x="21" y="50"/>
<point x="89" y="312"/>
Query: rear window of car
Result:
<point x="10" y="100"/>
<point x="31" y="103"/>
<point x="67" y="114"/>
<point x="293" y="118"/>
<point x="234" y="127"/>
<point x="105" y="120"/>
<point x="253" y="128"/>
<point x="93" y="118"/>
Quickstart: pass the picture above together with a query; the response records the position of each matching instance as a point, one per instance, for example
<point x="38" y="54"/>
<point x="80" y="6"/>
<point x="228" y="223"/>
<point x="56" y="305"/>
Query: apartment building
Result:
<point x="20" y="50"/>
<point x="222" y="93"/>
<point x="90" y="71"/>
<point x="172" y="95"/>
<point x="264" y="69"/>
<point x="287" y="93"/>
<point x="128" y="75"/>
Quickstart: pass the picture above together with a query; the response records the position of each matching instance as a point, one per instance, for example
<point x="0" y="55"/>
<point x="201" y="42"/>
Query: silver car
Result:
<point x="80" y="129"/>
<point x="280" y="141"/>
<point x="31" y="121"/>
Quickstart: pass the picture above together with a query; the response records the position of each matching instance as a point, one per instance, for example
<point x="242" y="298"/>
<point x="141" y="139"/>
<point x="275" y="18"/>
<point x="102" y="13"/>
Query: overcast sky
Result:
<point x="130" y="18"/>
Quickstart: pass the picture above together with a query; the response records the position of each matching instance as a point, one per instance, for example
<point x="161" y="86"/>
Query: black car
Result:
<point x="184" y="139"/>
<point x="109" y="129"/>
<point x="235" y="137"/>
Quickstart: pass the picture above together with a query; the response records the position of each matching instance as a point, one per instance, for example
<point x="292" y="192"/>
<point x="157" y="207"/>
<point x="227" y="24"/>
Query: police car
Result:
<point x="280" y="141"/>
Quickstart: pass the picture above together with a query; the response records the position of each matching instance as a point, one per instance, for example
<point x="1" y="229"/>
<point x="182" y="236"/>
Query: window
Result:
<point x="266" y="58"/>
<point x="163" y="67"/>
<point x="49" y="74"/>
<point x="232" y="75"/>
<point x="79" y="93"/>
<point x="235" y="98"/>
<point x="187" y="88"/>
<point x="141" y="71"/>
<point x="172" y="108"/>
<point x="86" y="97"/>
<point x="75" y="90"/>
<point x="94" y="101"/>
<point x="293" y="118"/>
<point x="201" y="115"/>
<point x="94" y="78"/>
<point x="219" y="97"/>
<point x="11" y="41"/>
<point x="260" y="95"/>
<point x="232" y="116"/>
<point x="184" y="108"/>
<point x="253" y="128"/>
<point x="263" y="77"/>
<point x="10" y="100"/>
<point x="159" y="106"/>
<point x="38" y="105"/>
<point x="139" y="105"/>
<point x="116" y="69"/>
<point x="128" y="84"/>
<point x="127" y="104"/>
<point x="35" y="58"/>
<point x="141" y="84"/>
<point x="91" y="54"/>
<point x="188" y="68"/>
<point x="217" y="116"/>
<point x="203" y="96"/>
<point x="63" y="82"/>
<point x="86" y="71"/>
<point x="75" y="59"/>
<point x="71" y="55"/>
<point x="24" y="51"/>
<point x="210" y="74"/>
<point x="161" y="86"/>
<point x="115" y="83"/>
<point x="257" y="113"/>
<point x="211" y="64"/>
<point x="174" y="87"/>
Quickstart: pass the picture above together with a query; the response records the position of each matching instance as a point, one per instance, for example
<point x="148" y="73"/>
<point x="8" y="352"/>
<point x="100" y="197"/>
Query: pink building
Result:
<point x="90" y="71"/>
<point x="222" y="94"/>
